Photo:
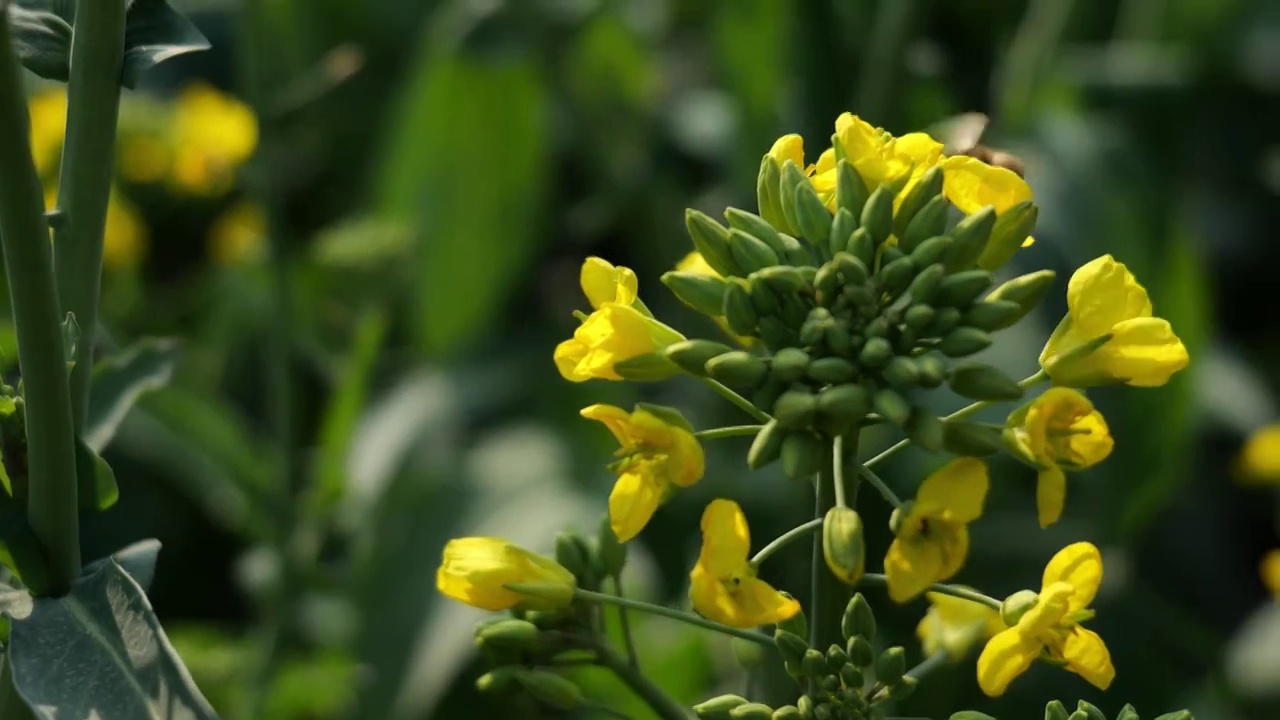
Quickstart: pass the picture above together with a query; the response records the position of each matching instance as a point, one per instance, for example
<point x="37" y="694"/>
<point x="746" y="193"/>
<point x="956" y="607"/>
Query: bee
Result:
<point x="961" y="135"/>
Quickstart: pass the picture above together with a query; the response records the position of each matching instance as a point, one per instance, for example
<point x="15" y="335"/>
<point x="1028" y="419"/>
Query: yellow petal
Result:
<point x="864" y="148"/>
<point x="615" y="418"/>
<point x="788" y="147"/>
<point x="911" y="566"/>
<point x="710" y="596"/>
<point x="1079" y="565"/>
<point x="615" y="333"/>
<point x="919" y="148"/>
<point x="474" y="571"/>
<point x="757" y="603"/>
<point x="685" y="462"/>
<point x="971" y="185"/>
<point x="826" y="163"/>
<point x="955" y="625"/>
<point x="1005" y="657"/>
<point x="1051" y="606"/>
<point x="1103" y="293"/>
<point x="954" y="492"/>
<point x="695" y="263"/>
<point x="1144" y="352"/>
<point x="953" y="538"/>
<point x="1270" y="571"/>
<point x="1051" y="495"/>
<point x="569" y="355"/>
<point x="1088" y="657"/>
<point x="1260" y="458"/>
<point x="603" y="283"/>
<point x="726" y="541"/>
<point x="633" y="501"/>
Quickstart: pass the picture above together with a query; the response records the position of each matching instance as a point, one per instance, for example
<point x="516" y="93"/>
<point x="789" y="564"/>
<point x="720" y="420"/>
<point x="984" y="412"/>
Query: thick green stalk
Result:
<point x="88" y="163"/>
<point x="829" y="595"/>
<point x="28" y="263"/>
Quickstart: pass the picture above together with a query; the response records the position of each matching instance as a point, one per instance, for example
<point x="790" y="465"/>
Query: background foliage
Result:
<point x="439" y="169"/>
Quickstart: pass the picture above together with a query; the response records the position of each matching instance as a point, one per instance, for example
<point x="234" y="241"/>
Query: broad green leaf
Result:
<point x="153" y="33"/>
<point x="138" y="559"/>
<point x="120" y="380"/>
<point x="42" y="40"/>
<point x="100" y="653"/>
<point x="95" y="482"/>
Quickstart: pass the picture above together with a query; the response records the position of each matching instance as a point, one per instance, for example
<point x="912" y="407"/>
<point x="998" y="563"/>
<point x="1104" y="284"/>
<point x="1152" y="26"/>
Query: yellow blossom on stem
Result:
<point x="480" y="571"/>
<point x="879" y="157"/>
<point x="1270" y="571"/>
<point x="723" y="585"/>
<point x="971" y="184"/>
<point x="1109" y="334"/>
<point x="213" y="135"/>
<point x="955" y="625"/>
<point x="658" y="453"/>
<point x="1050" y="626"/>
<point x="1259" y="461"/>
<point x="933" y="534"/>
<point x="48" y="111"/>
<point x="602" y="283"/>
<point x="1060" y="430"/>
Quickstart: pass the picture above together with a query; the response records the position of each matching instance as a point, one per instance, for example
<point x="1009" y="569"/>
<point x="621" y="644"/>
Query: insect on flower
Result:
<point x="962" y="134"/>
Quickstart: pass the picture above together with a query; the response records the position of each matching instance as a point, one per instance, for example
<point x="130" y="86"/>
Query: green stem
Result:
<point x="829" y="595"/>
<point x="625" y="622"/>
<point x="51" y="502"/>
<point x="88" y="164"/>
<point x="876" y="482"/>
<point x="737" y="399"/>
<point x="952" y="590"/>
<point x="663" y="705"/>
<point x="666" y="612"/>
<point x="724" y="432"/>
<point x="837" y="470"/>
<point x="785" y="539"/>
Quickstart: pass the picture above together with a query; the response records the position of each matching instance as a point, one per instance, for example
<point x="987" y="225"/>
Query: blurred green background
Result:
<point x="437" y="170"/>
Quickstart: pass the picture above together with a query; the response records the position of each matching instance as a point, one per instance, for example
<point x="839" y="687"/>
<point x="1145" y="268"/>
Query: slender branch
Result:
<point x="736" y="399"/>
<point x="785" y="539"/>
<point x="724" y="432"/>
<point x="88" y="164"/>
<point x="625" y="621"/>
<point x="952" y="590"/>
<point x="51" y="502"/>
<point x="829" y="593"/>
<point x="889" y="495"/>
<point x="663" y="705"/>
<point x="837" y="469"/>
<point x="684" y="617"/>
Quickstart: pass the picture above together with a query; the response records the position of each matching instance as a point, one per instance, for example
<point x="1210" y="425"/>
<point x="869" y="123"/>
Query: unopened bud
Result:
<point x="877" y="214"/>
<point x="858" y="619"/>
<point x="1091" y="711"/>
<point x="767" y="193"/>
<point x="792" y="177"/>
<point x="814" y="664"/>
<point x="978" y="381"/>
<point x="649" y="367"/>
<point x="974" y="715"/>
<point x="891" y="406"/>
<point x="929" y="222"/>
<point x="717" y="708"/>
<point x="861" y="654"/>
<point x="797" y="624"/>
<point x="692" y="355"/>
<point x="962" y="288"/>
<point x="1177" y="715"/>
<point x="964" y="341"/>
<point x="1127" y="713"/>
<point x="932" y="368"/>
<point x="969" y="239"/>
<point x="831" y="371"/>
<point x="1017" y="605"/>
<point x="836" y="657"/>
<point x="851" y="191"/>
<point x="787" y="712"/>
<point x="843" y="545"/>
<point x="551" y="689"/>
<point x="738" y="368"/>
<point x="757" y="227"/>
<point x="812" y="215"/>
<point x="926" y="284"/>
<point x="704" y="293"/>
<point x="890" y="666"/>
<point x="1055" y="710"/>
<point x="992" y="315"/>
<point x="918" y="317"/>
<point x="795" y="409"/>
<point x="862" y="246"/>
<point x="752" y="711"/>
<point x="791" y="647"/>
<point x="1011" y="230"/>
<point x="925" y="429"/>
<point x="711" y="239"/>
<point x="902" y="373"/>
<point x="876" y="352"/>
<point x="574" y="554"/>
<point x="944" y="321"/>
<point x="926" y="188"/>
<point x="904" y="687"/>
<point x="801" y="454"/>
<point x="789" y="365"/>
<point x="749" y="252"/>
<point x="767" y="445"/>
<point x="747" y="652"/>
<point x="738" y="310"/>
<point x="931" y="251"/>
<point x="851" y="267"/>
<point x="896" y="275"/>
<point x="844" y="405"/>
<point x="499" y="681"/>
<point x="1025" y="290"/>
<point x="842" y="227"/>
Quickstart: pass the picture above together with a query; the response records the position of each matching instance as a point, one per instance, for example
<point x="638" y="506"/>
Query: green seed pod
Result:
<point x="1090" y="710"/>
<point x="970" y="439"/>
<point x="791" y="647"/>
<point x="704" y="293"/>
<point x="930" y="251"/>
<point x="891" y="664"/>
<point x="944" y="320"/>
<point x="969" y="239"/>
<point x="895" y="276"/>
<point x="918" y="317"/>
<point x="752" y="711"/>
<point x="843" y="545"/>
<point x="611" y="552"/>
<point x="787" y="712"/>
<point x="933" y="369"/>
<point x="795" y="409"/>
<point x="922" y="193"/>
<point x="851" y="191"/>
<point x="929" y="222"/>
<point x="992" y="315"/>
<point x="573" y="553"/>
<point x="711" y="239"/>
<point x="767" y="181"/>
<point x="831" y="370"/>
<point x="790" y="365"/>
<point x="738" y="368"/>
<point x="851" y="676"/>
<point x="1127" y="713"/>
<point x="551" y="689"/>
<point x="842" y="227"/>
<point x="814" y="217"/>
<point x="1011" y="230"/>
<point x="861" y="654"/>
<point x="925" y="429"/>
<point x="738" y="310"/>
<point x="750" y="252"/>
<point x="962" y="288"/>
<point x="836" y="657"/>
<point x="1025" y="290"/>
<point x="926" y="284"/>
<point x="839" y="341"/>
<point x="510" y="634"/>
<point x="858" y="620"/>
<point x="877" y="214"/>
<point x="499" y="681"/>
<point x="901" y="372"/>
<point x="767" y="445"/>
<point x="891" y="406"/>
<point x="717" y="708"/>
<point x="692" y="355"/>
<point x="801" y="454"/>
<point x="844" y="405"/>
<point x="796" y="624"/>
<point x="814" y="664"/>
<point x="876" y="353"/>
<point x="964" y="341"/>
<point x="1055" y="711"/>
<point x="978" y="381"/>
<point x="756" y="226"/>
<point x="862" y="246"/>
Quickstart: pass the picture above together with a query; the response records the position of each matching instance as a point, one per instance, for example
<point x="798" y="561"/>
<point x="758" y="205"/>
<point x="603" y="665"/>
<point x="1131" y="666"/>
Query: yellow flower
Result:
<point x="478" y="570"/>
<point x="238" y="235"/>
<point x="1109" y="334"/>
<point x="1051" y="626"/>
<point x="695" y="263"/>
<point x="144" y="158"/>
<point x="1270" y="571"/>
<point x="658" y="454"/>
<point x="723" y="585"/>
<point x="1060" y="430"/>
<point x="955" y="625"/>
<point x="971" y="184"/>
<point x="213" y="135"/>
<point x="1259" y="461"/>
<point x="48" y="128"/>
<point x="933" y="535"/>
<point x="603" y="283"/>
<point x="879" y="157"/>
<point x="124" y="237"/>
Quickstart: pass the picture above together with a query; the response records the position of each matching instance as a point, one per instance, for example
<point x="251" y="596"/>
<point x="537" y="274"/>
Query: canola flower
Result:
<point x="1269" y="569"/>
<point x="723" y="585"/>
<point x="212" y="135"/>
<point x="1259" y="461"/>
<point x="479" y="571"/>
<point x="956" y="625"/>
<point x="48" y="112"/>
<point x="238" y="235"/>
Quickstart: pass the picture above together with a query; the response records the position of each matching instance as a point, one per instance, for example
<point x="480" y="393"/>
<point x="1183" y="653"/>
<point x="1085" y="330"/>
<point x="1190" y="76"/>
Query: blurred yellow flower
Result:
<point x="1109" y="334"/>
<point x="658" y="454"/>
<point x="932" y="534"/>
<point x="602" y="283"/>
<point x="1259" y="461"/>
<point x="1270" y="571"/>
<point x="48" y="128"/>
<point x="723" y="585"/>
<point x="1052" y="625"/>
<point x="124" y="238"/>
<point x="955" y="625"/>
<point x="479" y="570"/>
<point x="695" y="263"/>
<point x="213" y="135"/>
<point x="238" y="235"/>
<point x="1060" y="430"/>
<point x="144" y="158"/>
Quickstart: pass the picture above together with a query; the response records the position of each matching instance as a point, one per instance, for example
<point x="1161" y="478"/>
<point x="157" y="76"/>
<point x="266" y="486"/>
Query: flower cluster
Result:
<point x="864" y="283"/>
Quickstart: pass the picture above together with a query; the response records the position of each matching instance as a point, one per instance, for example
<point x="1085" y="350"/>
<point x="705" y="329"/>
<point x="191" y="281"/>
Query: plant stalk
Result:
<point x="28" y="263"/>
<point x="663" y="705"/>
<point x="829" y="594"/>
<point x="744" y="404"/>
<point x="84" y="186"/>
<point x="941" y="588"/>
<point x="684" y="617"/>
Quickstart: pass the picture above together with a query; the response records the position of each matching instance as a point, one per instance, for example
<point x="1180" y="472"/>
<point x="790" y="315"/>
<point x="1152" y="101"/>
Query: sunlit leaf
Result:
<point x="120" y="380"/>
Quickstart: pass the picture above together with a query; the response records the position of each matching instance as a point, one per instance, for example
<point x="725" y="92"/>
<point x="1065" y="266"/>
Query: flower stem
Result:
<point x="724" y="432"/>
<point x="837" y="469"/>
<point x="28" y="263"/>
<point x="88" y="164"/>
<point x="690" y="618"/>
<point x="876" y="482"/>
<point x="625" y="622"/>
<point x="829" y="594"/>
<point x="736" y="399"/>
<point x="952" y="590"/>
<point x="663" y="705"/>
<point x="785" y="539"/>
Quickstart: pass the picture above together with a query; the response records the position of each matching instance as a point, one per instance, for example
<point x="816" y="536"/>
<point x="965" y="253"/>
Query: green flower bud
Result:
<point x="826" y="283"/>
<point x="878" y="327"/>
<point x="851" y="676"/>
<point x="925" y="429"/>
<point x="814" y="664"/>
<point x="862" y="246"/>
<point x="851" y="267"/>
<point x="930" y="251"/>
<point x="791" y="647"/>
<point x="861" y="654"/>
<point x="612" y="554"/>
<point x="801" y="454"/>
<point x="902" y="373"/>
<point x="824" y="712"/>
<point x="932" y="367"/>
<point x="969" y="239"/>
<point x="783" y="280"/>
<point x="918" y="317"/>
<point x="964" y="341"/>
<point x="978" y="381"/>
<point x="1128" y="713"/>
<point x="891" y="406"/>
<point x="831" y="370"/>
<point x="797" y="624"/>
<point x="551" y="689"/>
<point x="842" y="227"/>
<point x="890" y="666"/>
<point x="992" y="315"/>
<point x="762" y="298"/>
<point x="922" y="193"/>
<point x="805" y="704"/>
<point x="711" y="239"/>
<point x="1012" y="228"/>
<point x="896" y="275"/>
<point x="814" y="217"/>
<point x="889" y="253"/>
<point x="877" y="214"/>
<point x="795" y="409"/>
<point x="792" y="178"/>
<point x="767" y="445"/>
<point x="776" y="333"/>
<point x="836" y="657"/>
<point x="929" y="222"/>
<point x="1017" y="605"/>
<point x="858" y="621"/>
<point x="499" y="681"/>
<point x="717" y="708"/>
<point x="972" y="715"/>
<point x="843" y="546"/>
<point x="876" y="353"/>
<point x="767" y="181"/>
<point x="844" y="405"/>
<point x="649" y="367"/>
<point x="830" y="684"/>
<point x="926" y="284"/>
<point x="704" y="293"/>
<point x="970" y="439"/>
<point x="750" y="252"/>
<point x="511" y="633"/>
<point x="1025" y="290"/>
<point x="962" y="288"/>
<point x="738" y="368"/>
<point x="787" y="712"/>
<point x="815" y="326"/>
<point x="904" y="688"/>
<point x="1090" y="711"/>
<point x="692" y="355"/>
<point x="944" y="320"/>
<point x="1177" y="715"/>
<point x="790" y="364"/>
<point x="851" y="191"/>
<point x="859" y="296"/>
<point x="738" y="310"/>
<point x="1054" y="710"/>
<point x="757" y="227"/>
<point x="573" y="553"/>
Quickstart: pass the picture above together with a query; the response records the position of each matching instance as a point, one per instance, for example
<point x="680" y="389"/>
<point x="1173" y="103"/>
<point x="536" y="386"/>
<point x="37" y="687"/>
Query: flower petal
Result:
<point x="726" y="540"/>
<point x="1051" y="495"/>
<point x="757" y="603"/>
<point x="788" y="147"/>
<point x="1269" y="569"/>
<point x="710" y="596"/>
<point x="1079" y="565"/>
<point x="695" y="263"/>
<point x="603" y="283"/>
<point x="971" y="185"/>
<point x="1088" y="657"/>
<point x="911" y="566"/>
<point x="1103" y="293"/>
<point x="1005" y="657"/>
<point x="616" y="419"/>
<point x="568" y="356"/>
<point x="1144" y="352"/>
<point x="1259" y="461"/>
<point x="634" y="499"/>
<point x="955" y="491"/>
<point x="474" y="571"/>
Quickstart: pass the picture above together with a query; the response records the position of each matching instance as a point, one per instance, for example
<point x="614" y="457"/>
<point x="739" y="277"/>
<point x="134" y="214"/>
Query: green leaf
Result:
<point x="368" y="243"/>
<point x="120" y="380"/>
<point x="95" y="481"/>
<point x="100" y="652"/>
<point x="42" y="40"/>
<point x="137" y="559"/>
<point x="153" y="33"/>
<point x="70" y="339"/>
